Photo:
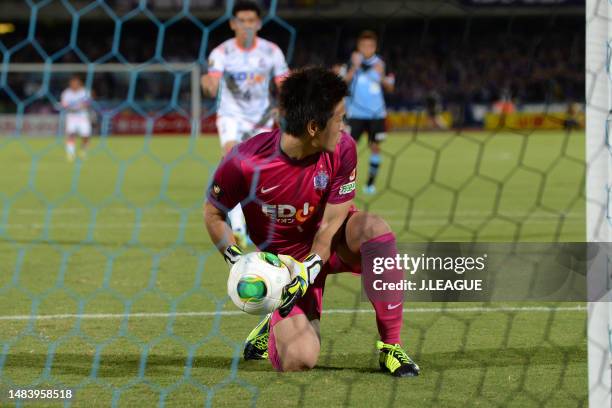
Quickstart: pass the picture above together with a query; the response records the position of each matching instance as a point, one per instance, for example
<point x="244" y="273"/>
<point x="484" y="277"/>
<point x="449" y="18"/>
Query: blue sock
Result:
<point x="375" y="160"/>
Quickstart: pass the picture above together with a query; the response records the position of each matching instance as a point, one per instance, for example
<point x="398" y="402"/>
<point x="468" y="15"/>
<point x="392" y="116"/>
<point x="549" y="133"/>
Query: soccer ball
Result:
<point x="256" y="282"/>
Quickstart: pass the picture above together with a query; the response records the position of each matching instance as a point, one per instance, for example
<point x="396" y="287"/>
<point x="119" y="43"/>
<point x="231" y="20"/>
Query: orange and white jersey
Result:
<point x="76" y="102"/>
<point x="244" y="90"/>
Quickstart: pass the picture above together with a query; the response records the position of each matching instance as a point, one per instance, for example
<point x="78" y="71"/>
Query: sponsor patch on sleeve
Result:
<point x="347" y="188"/>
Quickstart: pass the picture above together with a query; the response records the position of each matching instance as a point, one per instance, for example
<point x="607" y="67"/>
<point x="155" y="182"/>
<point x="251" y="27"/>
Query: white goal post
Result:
<point x="90" y="69"/>
<point x="598" y="187"/>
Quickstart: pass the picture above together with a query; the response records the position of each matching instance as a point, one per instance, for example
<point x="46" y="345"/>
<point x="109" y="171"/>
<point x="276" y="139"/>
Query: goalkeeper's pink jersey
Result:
<point x="283" y="199"/>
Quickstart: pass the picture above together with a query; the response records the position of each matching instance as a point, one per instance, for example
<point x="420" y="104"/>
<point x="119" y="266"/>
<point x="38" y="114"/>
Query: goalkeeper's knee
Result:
<point x="299" y="359"/>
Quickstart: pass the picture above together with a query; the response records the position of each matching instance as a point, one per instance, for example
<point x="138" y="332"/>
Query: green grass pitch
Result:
<point x="119" y="238"/>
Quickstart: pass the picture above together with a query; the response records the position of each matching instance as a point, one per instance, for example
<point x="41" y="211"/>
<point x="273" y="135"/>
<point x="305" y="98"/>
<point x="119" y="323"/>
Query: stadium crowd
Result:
<point x="535" y="60"/>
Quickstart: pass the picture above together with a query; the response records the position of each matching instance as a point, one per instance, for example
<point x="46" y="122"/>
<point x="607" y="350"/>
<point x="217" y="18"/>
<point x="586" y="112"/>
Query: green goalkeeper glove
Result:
<point x="304" y="273"/>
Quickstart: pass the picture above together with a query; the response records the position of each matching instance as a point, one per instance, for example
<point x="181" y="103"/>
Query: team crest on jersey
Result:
<point x="215" y="191"/>
<point x="320" y="180"/>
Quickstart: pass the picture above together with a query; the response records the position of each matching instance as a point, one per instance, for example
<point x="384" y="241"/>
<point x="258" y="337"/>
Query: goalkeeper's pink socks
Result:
<point x="388" y="304"/>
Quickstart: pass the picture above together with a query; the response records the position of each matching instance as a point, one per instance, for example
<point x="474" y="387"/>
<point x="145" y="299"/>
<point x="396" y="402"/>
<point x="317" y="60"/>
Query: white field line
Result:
<point x="525" y="309"/>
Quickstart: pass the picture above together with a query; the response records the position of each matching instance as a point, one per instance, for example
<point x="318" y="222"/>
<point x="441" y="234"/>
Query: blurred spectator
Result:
<point x="530" y="60"/>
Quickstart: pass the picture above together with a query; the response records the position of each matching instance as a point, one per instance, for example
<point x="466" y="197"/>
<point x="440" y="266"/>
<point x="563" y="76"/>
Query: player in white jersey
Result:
<point x="75" y="101"/>
<point x="239" y="73"/>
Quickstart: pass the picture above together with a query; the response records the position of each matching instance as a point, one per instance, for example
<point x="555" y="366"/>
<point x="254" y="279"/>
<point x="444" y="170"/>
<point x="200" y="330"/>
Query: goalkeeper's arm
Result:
<point x="220" y="233"/>
<point x="333" y="218"/>
<point x="304" y="273"/>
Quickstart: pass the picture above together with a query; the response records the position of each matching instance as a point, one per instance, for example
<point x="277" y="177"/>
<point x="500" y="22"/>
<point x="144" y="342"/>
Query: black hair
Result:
<point x="367" y="35"/>
<point x="309" y="94"/>
<point x="246" y="5"/>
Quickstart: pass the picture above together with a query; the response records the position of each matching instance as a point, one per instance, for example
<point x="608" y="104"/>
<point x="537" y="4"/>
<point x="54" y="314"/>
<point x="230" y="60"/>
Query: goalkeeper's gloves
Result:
<point x="232" y="254"/>
<point x="303" y="273"/>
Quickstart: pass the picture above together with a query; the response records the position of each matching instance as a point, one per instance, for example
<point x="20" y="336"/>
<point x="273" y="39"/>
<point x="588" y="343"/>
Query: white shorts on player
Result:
<point x="237" y="130"/>
<point x="78" y="124"/>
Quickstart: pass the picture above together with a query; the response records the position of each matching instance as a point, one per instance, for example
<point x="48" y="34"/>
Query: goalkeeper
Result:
<point x="296" y="187"/>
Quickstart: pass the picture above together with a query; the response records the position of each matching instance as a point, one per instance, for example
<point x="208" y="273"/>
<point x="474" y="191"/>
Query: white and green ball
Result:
<point x="256" y="282"/>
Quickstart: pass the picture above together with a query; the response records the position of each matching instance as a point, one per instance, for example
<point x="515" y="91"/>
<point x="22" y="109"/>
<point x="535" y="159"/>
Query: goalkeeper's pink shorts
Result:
<point x="310" y="304"/>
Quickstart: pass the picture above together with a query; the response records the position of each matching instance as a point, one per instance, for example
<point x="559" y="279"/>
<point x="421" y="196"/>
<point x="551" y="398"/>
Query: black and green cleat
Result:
<point x="393" y="359"/>
<point x="256" y="343"/>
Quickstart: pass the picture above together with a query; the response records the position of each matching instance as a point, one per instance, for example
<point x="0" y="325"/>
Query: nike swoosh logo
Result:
<point x="267" y="190"/>
<point x="391" y="307"/>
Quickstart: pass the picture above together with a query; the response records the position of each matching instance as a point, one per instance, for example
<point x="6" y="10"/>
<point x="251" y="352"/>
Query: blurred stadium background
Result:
<point x="110" y="286"/>
<point x="466" y="57"/>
